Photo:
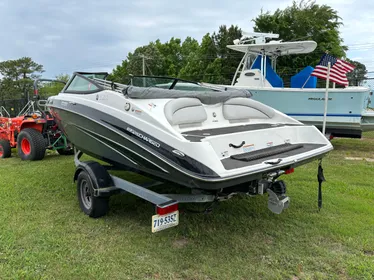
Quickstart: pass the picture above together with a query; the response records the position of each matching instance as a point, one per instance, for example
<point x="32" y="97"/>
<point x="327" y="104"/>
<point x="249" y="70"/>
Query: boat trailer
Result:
<point x="95" y="185"/>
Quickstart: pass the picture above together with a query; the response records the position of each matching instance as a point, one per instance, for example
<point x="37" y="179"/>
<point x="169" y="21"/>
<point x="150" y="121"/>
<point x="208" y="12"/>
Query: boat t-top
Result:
<point x="349" y="112"/>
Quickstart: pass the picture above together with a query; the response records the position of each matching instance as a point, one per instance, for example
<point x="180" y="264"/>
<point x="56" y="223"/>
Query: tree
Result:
<point x="152" y="60"/>
<point x="304" y="21"/>
<point x="120" y="74"/>
<point x="18" y="77"/>
<point x="230" y="59"/>
<point x="198" y="59"/>
<point x="188" y="47"/>
<point x="47" y="89"/>
<point x="213" y="73"/>
<point x="358" y="75"/>
<point x="209" y="61"/>
<point x="171" y="56"/>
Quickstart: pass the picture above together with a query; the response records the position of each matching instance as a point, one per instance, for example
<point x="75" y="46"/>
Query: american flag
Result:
<point x="338" y="69"/>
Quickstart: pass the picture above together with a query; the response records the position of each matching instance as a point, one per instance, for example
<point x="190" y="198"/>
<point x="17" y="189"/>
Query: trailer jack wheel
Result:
<point x="91" y="205"/>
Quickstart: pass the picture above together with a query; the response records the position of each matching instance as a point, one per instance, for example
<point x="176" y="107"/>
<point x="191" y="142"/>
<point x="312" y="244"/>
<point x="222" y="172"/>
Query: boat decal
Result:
<point x="318" y="98"/>
<point x="269" y="144"/>
<point x="137" y="111"/>
<point x="248" y="148"/>
<point x="179" y="153"/>
<point x="102" y="97"/>
<point x="151" y="106"/>
<point x="225" y="154"/>
<point x="145" y="138"/>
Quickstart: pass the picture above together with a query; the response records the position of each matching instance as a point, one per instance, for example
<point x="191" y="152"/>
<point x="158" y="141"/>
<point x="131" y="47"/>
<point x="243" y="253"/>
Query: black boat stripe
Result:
<point x="97" y="136"/>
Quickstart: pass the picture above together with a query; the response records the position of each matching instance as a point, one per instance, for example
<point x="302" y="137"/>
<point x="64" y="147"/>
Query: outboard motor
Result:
<point x="278" y="200"/>
<point x="277" y="197"/>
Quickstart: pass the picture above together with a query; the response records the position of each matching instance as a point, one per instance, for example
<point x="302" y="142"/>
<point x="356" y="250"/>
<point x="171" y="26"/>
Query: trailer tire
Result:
<point x="92" y="206"/>
<point x="31" y="144"/>
<point x="5" y="149"/>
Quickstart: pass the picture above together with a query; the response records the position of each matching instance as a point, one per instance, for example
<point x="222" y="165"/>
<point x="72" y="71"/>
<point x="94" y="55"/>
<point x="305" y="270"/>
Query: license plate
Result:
<point x="165" y="221"/>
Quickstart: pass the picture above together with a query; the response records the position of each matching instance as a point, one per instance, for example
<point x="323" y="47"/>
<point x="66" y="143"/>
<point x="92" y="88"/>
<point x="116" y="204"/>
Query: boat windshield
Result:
<point x="100" y="75"/>
<point x="167" y="83"/>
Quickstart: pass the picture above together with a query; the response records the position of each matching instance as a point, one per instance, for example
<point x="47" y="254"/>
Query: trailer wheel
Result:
<point x="5" y="149"/>
<point x="94" y="207"/>
<point x="31" y="144"/>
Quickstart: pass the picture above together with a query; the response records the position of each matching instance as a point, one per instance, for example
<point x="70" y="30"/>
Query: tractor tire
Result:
<point x="31" y="144"/>
<point x="5" y="149"/>
<point x="92" y="206"/>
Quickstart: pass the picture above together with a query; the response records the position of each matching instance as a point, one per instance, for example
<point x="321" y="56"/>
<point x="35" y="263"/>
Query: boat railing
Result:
<point x="109" y="85"/>
<point x="4" y="112"/>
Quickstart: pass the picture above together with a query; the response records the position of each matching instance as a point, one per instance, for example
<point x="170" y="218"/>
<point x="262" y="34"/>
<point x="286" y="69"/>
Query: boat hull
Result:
<point x="345" y="111"/>
<point x="107" y="138"/>
<point x="367" y="122"/>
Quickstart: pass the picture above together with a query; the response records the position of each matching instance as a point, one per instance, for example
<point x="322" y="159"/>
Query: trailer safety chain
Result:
<point x="211" y="206"/>
<point x="321" y="178"/>
<point x="207" y="209"/>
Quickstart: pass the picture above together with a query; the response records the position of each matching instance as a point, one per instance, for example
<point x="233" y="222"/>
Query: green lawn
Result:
<point x="44" y="234"/>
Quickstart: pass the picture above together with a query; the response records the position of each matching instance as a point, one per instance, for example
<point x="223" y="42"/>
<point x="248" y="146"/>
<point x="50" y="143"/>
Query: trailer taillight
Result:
<point x="289" y="171"/>
<point x="167" y="209"/>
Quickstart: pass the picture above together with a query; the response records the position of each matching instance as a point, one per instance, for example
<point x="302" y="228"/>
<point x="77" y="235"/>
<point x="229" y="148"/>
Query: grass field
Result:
<point x="44" y="234"/>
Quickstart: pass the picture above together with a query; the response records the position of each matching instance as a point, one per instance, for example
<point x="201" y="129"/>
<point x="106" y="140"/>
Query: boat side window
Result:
<point x="81" y="85"/>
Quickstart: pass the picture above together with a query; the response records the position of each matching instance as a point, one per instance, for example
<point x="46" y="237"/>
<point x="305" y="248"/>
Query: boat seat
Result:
<point x="243" y="109"/>
<point x="182" y="111"/>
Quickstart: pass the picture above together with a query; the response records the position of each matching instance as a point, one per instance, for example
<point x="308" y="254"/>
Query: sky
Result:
<point x="67" y="36"/>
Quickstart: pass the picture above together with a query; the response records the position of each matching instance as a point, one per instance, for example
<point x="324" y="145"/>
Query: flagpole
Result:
<point x="326" y="97"/>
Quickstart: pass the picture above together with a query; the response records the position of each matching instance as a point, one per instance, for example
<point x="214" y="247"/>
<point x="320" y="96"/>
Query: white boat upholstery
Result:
<point x="244" y="109"/>
<point x="185" y="111"/>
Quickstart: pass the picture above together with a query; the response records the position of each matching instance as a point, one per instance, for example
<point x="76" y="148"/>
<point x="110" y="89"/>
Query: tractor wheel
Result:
<point x="5" y="149"/>
<point x="92" y="206"/>
<point x="31" y="144"/>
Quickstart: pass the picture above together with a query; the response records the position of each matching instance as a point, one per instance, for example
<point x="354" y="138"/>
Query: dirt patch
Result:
<point x="360" y="158"/>
<point x="369" y="252"/>
<point x="180" y="243"/>
<point x="354" y="158"/>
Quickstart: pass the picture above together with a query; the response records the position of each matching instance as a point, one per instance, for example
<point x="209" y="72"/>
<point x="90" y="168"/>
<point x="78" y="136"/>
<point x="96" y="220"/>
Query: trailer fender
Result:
<point x="98" y="174"/>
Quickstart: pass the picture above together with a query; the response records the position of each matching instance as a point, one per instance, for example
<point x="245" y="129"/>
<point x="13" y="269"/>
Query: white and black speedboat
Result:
<point x="206" y="139"/>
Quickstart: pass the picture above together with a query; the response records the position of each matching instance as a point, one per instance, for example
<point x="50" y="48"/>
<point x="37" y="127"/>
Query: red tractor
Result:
<point x="33" y="131"/>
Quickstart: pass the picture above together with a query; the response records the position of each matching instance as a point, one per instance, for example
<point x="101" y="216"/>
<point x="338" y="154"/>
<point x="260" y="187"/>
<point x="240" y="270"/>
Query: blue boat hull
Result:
<point x="346" y="112"/>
